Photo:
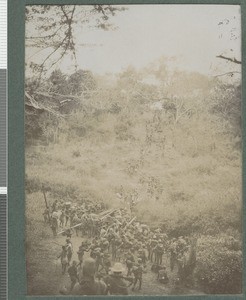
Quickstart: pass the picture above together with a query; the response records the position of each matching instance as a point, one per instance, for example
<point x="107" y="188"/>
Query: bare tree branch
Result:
<point x="39" y="106"/>
<point x="45" y="36"/>
<point x="234" y="60"/>
<point x="228" y="73"/>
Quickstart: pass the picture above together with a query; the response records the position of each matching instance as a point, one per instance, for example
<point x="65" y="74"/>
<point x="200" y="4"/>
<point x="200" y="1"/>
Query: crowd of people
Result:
<point x="120" y="249"/>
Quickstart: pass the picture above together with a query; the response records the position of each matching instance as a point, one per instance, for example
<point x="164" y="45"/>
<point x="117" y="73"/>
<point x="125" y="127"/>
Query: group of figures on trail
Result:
<point x="120" y="250"/>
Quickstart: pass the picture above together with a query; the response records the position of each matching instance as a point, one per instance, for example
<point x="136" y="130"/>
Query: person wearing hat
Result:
<point x="63" y="257"/>
<point x="148" y="245"/>
<point x="103" y="231"/>
<point x="106" y="262"/>
<point x="129" y="262"/>
<point x="67" y="215"/>
<point x="181" y="246"/>
<point x="62" y="218"/>
<point x="54" y="206"/>
<point x="137" y="271"/>
<point x="98" y="258"/>
<point x="116" y="284"/>
<point x="88" y="285"/>
<point x="46" y="215"/>
<point x="173" y="253"/>
<point x="141" y="254"/>
<point x="104" y="244"/>
<point x="76" y="220"/>
<point x="68" y="233"/>
<point x="113" y="244"/>
<point x="94" y="251"/>
<point x="159" y="251"/>
<point x="54" y="225"/>
<point x="73" y="274"/>
<point x="69" y="248"/>
<point x="81" y="252"/>
<point x="153" y="244"/>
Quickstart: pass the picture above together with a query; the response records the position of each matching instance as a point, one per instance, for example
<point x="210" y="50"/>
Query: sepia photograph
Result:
<point x="133" y="150"/>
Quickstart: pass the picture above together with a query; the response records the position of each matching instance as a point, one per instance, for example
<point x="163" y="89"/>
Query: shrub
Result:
<point x="219" y="264"/>
<point x="32" y="184"/>
<point x="76" y="153"/>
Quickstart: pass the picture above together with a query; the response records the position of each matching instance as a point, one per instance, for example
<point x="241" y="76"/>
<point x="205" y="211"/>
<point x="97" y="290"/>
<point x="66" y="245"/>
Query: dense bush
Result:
<point x="32" y="185"/>
<point x="219" y="264"/>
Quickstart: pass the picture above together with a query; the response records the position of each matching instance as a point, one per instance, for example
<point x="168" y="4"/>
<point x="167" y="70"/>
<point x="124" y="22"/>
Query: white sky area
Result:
<point x="146" y="32"/>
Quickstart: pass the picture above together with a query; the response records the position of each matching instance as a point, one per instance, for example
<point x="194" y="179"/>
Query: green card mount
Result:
<point x="3" y="149"/>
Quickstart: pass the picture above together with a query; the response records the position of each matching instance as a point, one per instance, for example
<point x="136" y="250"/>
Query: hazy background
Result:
<point x="190" y="33"/>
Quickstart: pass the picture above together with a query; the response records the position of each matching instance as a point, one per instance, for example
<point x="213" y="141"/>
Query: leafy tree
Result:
<point x="58" y="82"/>
<point x="81" y="81"/>
<point x="51" y="29"/>
<point x="226" y="104"/>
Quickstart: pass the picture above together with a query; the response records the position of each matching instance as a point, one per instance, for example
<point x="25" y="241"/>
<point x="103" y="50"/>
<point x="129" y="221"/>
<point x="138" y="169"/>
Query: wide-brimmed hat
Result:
<point x="117" y="268"/>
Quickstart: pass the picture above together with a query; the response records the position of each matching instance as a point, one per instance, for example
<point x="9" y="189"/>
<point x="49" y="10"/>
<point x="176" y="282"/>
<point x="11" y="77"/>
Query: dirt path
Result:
<point x="45" y="276"/>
